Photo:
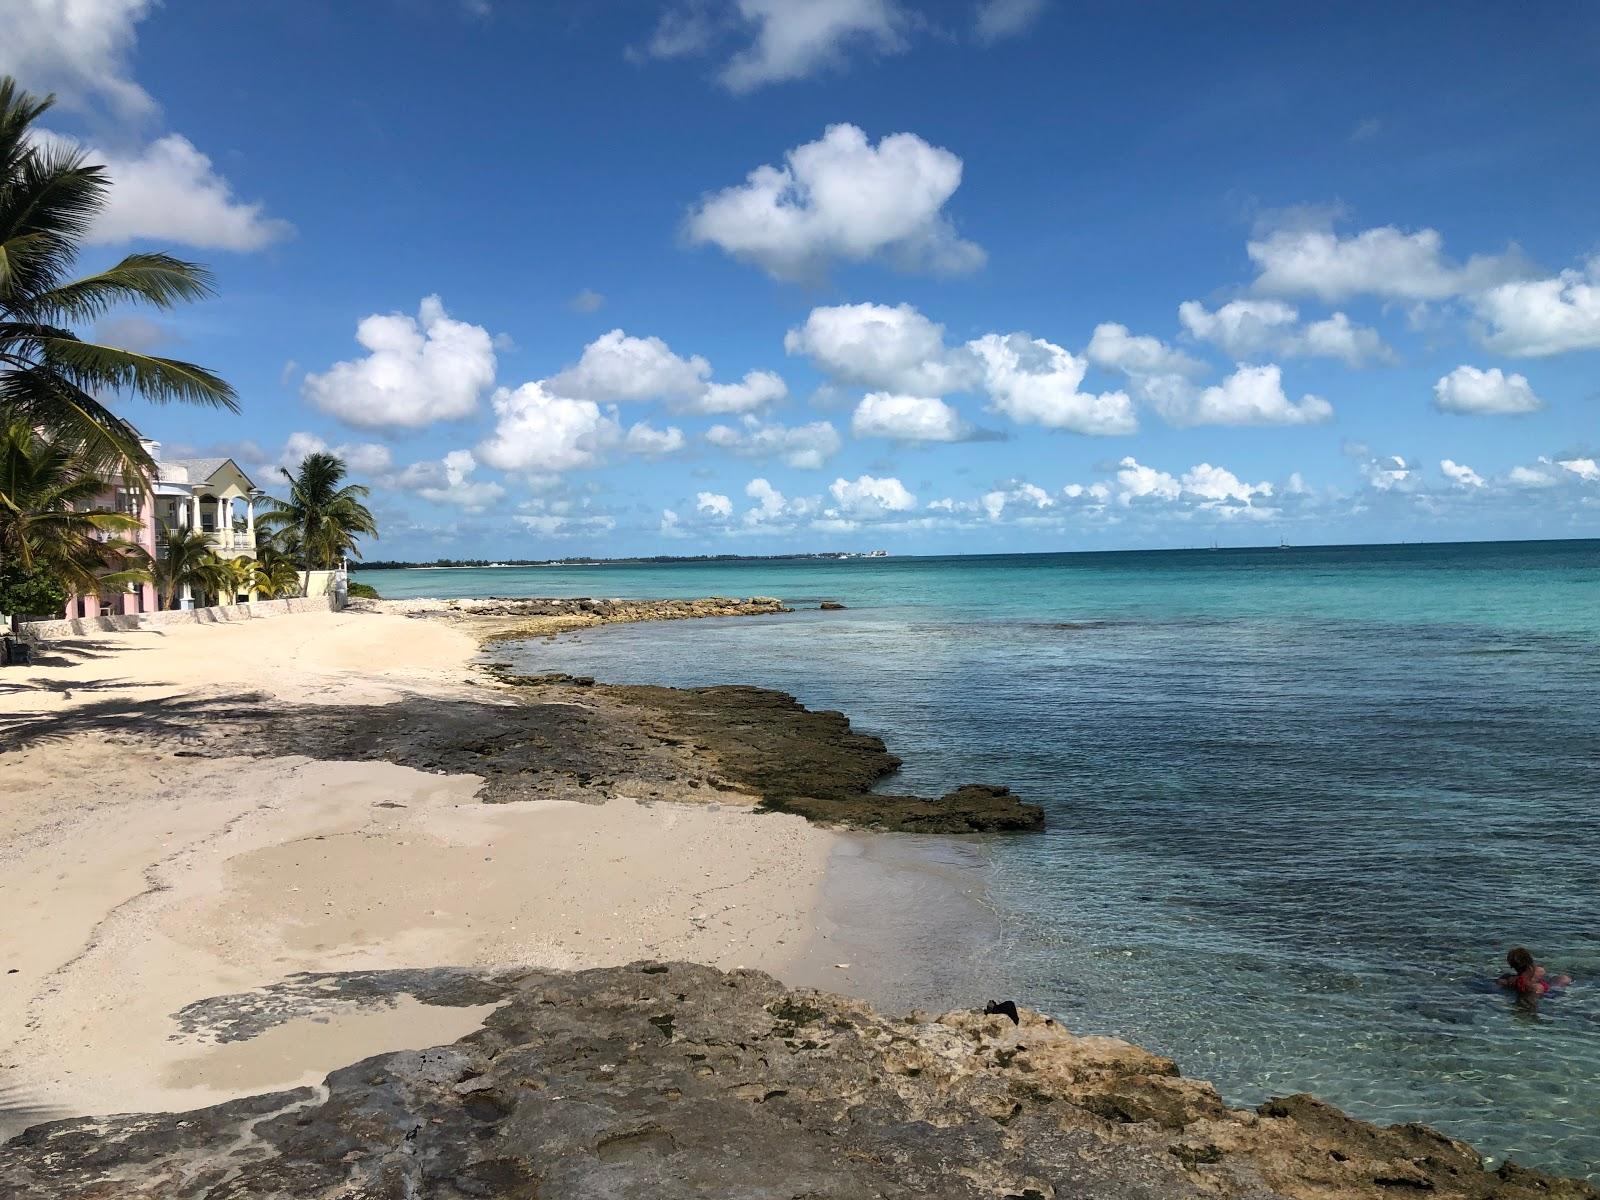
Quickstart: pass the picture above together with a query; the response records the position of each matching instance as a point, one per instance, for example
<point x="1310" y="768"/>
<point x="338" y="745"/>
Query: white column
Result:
<point x="222" y="522"/>
<point x="250" y="523"/>
<point x="194" y="511"/>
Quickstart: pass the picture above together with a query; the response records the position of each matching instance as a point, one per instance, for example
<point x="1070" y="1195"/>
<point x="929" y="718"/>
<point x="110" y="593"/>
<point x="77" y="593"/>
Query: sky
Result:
<point x="616" y="277"/>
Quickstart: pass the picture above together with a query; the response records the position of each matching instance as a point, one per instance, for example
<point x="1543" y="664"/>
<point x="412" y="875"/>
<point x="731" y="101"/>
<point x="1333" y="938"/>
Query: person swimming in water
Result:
<point x="1527" y="978"/>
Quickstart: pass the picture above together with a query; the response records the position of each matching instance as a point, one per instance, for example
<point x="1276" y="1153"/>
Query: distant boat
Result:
<point x="1283" y="545"/>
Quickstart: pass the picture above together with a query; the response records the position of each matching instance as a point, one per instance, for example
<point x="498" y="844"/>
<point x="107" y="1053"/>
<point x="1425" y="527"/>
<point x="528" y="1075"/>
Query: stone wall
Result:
<point x="47" y="631"/>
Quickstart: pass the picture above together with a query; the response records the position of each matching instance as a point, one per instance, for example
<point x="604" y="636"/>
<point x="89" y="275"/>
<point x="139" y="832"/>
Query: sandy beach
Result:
<point x="139" y="878"/>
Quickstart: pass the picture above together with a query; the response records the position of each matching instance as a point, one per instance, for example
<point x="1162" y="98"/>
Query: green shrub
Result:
<point x="30" y="593"/>
<point x="364" y="591"/>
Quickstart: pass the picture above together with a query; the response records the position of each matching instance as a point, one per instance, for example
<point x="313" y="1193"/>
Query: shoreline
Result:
<point x="177" y="895"/>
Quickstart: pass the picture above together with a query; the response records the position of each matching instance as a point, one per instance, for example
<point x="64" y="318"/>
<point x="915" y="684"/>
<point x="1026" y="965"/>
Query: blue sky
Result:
<point x="759" y="275"/>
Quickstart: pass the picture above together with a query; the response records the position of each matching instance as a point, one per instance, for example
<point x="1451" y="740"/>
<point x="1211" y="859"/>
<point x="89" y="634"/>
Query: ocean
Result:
<point x="1301" y="802"/>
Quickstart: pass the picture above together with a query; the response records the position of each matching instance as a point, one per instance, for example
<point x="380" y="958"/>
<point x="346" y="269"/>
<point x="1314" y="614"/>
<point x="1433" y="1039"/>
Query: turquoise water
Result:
<point x="1301" y="802"/>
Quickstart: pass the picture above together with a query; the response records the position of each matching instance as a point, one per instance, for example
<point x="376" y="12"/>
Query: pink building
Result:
<point x="210" y="494"/>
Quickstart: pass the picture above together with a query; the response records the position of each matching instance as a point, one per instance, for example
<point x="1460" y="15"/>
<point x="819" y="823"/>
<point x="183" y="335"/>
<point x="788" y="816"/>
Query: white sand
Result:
<point x="134" y="882"/>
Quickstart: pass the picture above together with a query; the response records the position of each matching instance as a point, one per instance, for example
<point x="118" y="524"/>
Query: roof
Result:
<point x="195" y="471"/>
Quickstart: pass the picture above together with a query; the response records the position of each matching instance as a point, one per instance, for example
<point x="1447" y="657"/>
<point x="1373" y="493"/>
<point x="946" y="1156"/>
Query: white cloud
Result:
<point x="1460" y="473"/>
<point x="869" y="496"/>
<point x="563" y="519"/>
<point x="1470" y="391"/>
<point x="998" y="19"/>
<point x="1241" y="327"/>
<point x="1586" y="469"/>
<point x="78" y="49"/>
<point x="1532" y="477"/>
<point x="1116" y="349"/>
<point x="772" y="506"/>
<point x="1028" y="495"/>
<point x="363" y="458"/>
<point x="649" y="442"/>
<point x="756" y="390"/>
<point x="888" y="349"/>
<point x="1389" y="473"/>
<point x="448" y="481"/>
<point x="907" y="419"/>
<point x="430" y="368"/>
<point x="1136" y="481"/>
<point x="168" y="191"/>
<point x="797" y="38"/>
<point x="1215" y="486"/>
<point x="616" y="366"/>
<point x="842" y="199"/>
<point x="1338" y="337"/>
<point x="1379" y="262"/>
<point x="714" y="504"/>
<point x="806" y="447"/>
<point x="1544" y="316"/>
<point x="1250" y="396"/>
<point x="1244" y="328"/>
<point x="535" y="431"/>
<point x="1035" y="382"/>
<point x="587" y="301"/>
<point x="133" y="331"/>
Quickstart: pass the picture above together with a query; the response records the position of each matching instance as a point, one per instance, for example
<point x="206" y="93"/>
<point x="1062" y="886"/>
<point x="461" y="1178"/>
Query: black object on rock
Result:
<point x="1002" y="1008"/>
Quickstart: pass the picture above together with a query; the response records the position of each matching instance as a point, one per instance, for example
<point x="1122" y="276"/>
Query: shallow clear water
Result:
<point x="1301" y="802"/>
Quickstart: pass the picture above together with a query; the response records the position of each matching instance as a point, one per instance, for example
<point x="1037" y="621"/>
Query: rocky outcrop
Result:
<point x="502" y="618"/>
<point x="671" y="1080"/>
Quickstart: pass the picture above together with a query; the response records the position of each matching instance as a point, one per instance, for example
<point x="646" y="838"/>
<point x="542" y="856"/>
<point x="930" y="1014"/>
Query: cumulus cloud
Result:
<point x="1035" y="382"/>
<point x="564" y="518"/>
<point x="1390" y="472"/>
<point x="419" y="370"/>
<point x="788" y="39"/>
<point x="1460" y="474"/>
<point x="1136" y="481"/>
<point x="806" y="447"/>
<point x="888" y="349"/>
<point x="1244" y="328"/>
<point x="616" y="366"/>
<point x="1218" y="486"/>
<point x="1470" y="391"/>
<point x="1020" y="495"/>
<point x="714" y="504"/>
<point x="1586" y="469"/>
<point x="647" y="441"/>
<point x="1252" y="395"/>
<point x="1116" y="349"/>
<point x="841" y="199"/>
<point x="772" y="506"/>
<point x="78" y="49"/>
<point x="870" y="496"/>
<point x="1545" y="316"/>
<point x="587" y="301"/>
<point x="363" y="458"/>
<point x="448" y="481"/>
<point x="169" y="191"/>
<point x="1383" y="262"/>
<point x="756" y="390"/>
<point x="537" y="432"/>
<point x="998" y="19"/>
<point x="908" y="419"/>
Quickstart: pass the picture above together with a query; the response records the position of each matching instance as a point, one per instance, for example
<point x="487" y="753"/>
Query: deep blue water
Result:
<point x="1301" y="802"/>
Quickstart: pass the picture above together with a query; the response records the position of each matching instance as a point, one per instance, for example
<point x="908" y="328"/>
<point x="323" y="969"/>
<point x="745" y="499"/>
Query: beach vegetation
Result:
<point x="186" y="560"/>
<point x="323" y="516"/>
<point x="54" y="534"/>
<point x="363" y="591"/>
<point x="51" y="378"/>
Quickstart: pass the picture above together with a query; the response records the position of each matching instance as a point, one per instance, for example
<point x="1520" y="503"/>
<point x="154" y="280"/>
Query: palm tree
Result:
<point x="50" y="377"/>
<point x="185" y="560"/>
<point x="276" y="576"/>
<point x="46" y="525"/>
<point x="320" y="517"/>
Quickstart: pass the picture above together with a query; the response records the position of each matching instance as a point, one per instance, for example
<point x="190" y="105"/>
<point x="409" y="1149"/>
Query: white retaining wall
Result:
<point x="46" y="631"/>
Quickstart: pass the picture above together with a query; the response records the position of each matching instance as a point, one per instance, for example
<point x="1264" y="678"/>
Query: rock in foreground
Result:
<point x="667" y="1081"/>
